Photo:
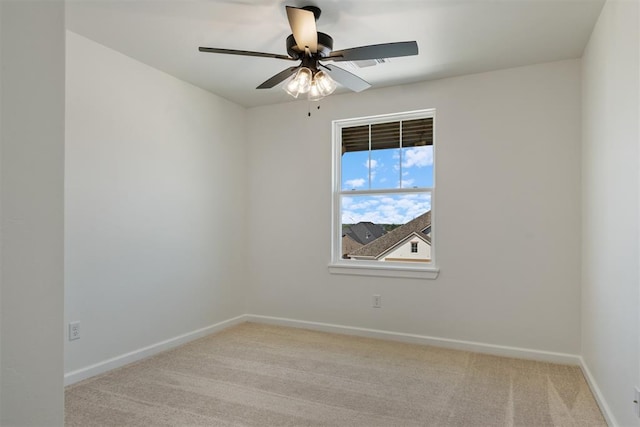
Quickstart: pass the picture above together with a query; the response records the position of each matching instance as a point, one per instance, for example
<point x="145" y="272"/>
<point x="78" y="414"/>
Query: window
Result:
<point x="383" y="187"/>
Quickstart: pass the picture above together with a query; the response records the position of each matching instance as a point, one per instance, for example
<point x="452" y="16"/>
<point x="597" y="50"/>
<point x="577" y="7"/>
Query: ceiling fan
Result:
<point x="312" y="49"/>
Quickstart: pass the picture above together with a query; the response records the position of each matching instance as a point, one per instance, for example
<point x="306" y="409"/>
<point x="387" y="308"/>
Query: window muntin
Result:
<point x="384" y="176"/>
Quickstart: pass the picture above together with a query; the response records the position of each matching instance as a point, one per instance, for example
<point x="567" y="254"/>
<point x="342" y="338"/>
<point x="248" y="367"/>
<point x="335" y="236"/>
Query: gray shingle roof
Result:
<point x="392" y="238"/>
<point x="364" y="232"/>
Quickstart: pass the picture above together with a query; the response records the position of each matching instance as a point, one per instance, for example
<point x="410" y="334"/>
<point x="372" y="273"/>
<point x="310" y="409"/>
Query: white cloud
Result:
<point x="418" y="156"/>
<point x="372" y="164"/>
<point x="354" y="183"/>
<point x="363" y="203"/>
<point x="397" y="209"/>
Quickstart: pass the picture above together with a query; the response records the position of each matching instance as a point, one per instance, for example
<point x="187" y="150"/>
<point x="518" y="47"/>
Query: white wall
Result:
<point x="32" y="171"/>
<point x="508" y="175"/>
<point x="610" y="164"/>
<point x="155" y="205"/>
<point x="1" y="138"/>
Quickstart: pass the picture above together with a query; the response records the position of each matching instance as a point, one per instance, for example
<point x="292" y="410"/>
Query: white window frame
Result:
<point x="376" y="268"/>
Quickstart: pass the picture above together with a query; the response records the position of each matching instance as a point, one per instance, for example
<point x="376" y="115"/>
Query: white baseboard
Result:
<point x="498" y="350"/>
<point x="602" y="403"/>
<point x="125" y="359"/>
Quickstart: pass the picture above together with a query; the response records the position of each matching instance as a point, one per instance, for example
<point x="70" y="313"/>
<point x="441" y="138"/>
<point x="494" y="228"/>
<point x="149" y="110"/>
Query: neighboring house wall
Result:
<point x="483" y="140"/>
<point x="155" y="205"/>
<point x="403" y="251"/>
<point x="610" y="198"/>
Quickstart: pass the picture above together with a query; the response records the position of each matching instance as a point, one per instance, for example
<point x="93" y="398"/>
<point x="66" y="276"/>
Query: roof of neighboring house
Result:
<point x="364" y="232"/>
<point x="392" y="238"/>
<point x="409" y="238"/>
<point x="349" y="245"/>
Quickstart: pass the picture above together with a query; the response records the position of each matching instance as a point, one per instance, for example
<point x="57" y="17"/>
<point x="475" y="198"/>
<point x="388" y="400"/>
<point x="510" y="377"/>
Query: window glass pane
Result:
<point x="355" y="170"/>
<point x="385" y="155"/>
<point x="384" y="168"/>
<point x="417" y="132"/>
<point x="382" y="227"/>
<point x="417" y="153"/>
<point x="385" y="135"/>
<point x="417" y="167"/>
<point x="355" y="138"/>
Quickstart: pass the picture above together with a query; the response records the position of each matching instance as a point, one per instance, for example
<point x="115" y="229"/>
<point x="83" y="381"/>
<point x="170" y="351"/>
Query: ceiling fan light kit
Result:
<point x="300" y="83"/>
<point x="316" y="84"/>
<point x="324" y="84"/>
<point x="310" y="47"/>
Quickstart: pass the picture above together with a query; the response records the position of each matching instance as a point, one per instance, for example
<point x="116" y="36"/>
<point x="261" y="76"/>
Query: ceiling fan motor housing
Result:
<point x="303" y="26"/>
<point x="325" y="46"/>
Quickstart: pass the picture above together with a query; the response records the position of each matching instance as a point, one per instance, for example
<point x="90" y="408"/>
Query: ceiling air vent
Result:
<point x="354" y="65"/>
<point x="370" y="62"/>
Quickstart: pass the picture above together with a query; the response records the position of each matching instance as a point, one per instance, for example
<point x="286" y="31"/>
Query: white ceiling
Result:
<point x="455" y="37"/>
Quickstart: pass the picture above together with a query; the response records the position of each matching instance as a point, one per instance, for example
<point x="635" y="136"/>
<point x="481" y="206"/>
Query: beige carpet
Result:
<point x="259" y="375"/>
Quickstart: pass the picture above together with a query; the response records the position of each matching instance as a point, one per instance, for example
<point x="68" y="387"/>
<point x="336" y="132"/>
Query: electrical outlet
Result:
<point x="377" y="301"/>
<point x="74" y="331"/>
<point x="636" y="401"/>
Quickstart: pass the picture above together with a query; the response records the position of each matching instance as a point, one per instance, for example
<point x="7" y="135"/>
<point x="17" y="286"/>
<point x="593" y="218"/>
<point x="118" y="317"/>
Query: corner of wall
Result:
<point x="611" y="256"/>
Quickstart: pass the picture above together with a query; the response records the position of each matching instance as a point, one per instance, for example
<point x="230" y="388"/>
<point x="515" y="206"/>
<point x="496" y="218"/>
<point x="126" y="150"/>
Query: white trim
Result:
<point x="383" y="269"/>
<point x="383" y="118"/>
<point x="133" y="356"/>
<point x="336" y="266"/>
<point x="595" y="390"/>
<point x="385" y="191"/>
<point x="498" y="350"/>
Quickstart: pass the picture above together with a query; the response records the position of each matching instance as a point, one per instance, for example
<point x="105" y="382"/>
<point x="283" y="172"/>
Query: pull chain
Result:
<point x="309" y="108"/>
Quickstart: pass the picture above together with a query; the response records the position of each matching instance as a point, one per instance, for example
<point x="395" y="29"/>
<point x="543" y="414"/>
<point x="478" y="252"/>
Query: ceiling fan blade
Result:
<point x="280" y="77"/>
<point x="303" y="27"/>
<point x="346" y="79"/>
<point x="375" y="51"/>
<point x="244" y="53"/>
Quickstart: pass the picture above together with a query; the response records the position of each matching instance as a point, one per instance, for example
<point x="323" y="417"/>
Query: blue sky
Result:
<point x="381" y="169"/>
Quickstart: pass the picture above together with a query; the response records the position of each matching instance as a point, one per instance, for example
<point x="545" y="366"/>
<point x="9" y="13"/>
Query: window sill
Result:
<point x="384" y="271"/>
